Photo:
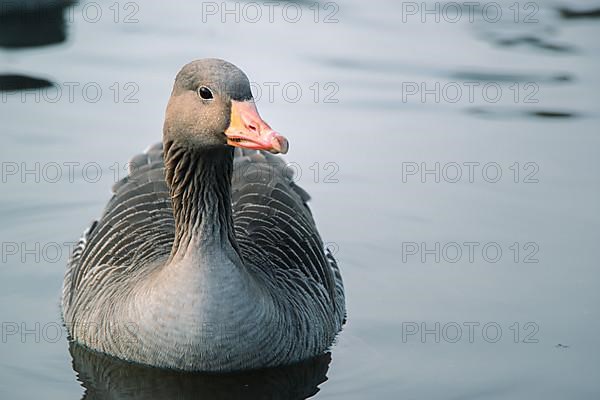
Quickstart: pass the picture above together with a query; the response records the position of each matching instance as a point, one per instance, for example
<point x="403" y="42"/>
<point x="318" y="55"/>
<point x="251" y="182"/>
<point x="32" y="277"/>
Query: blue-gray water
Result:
<point x="452" y="160"/>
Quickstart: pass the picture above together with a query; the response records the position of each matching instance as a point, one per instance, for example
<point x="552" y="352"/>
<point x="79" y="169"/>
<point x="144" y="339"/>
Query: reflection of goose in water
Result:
<point x="105" y="377"/>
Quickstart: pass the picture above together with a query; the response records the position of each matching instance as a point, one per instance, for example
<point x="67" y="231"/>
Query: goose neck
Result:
<point x="199" y="181"/>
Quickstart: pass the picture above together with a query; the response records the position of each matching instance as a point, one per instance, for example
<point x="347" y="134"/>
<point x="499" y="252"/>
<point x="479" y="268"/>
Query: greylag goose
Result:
<point x="207" y="257"/>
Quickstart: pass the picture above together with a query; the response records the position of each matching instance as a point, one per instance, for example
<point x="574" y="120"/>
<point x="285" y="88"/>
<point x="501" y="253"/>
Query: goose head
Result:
<point x="212" y="106"/>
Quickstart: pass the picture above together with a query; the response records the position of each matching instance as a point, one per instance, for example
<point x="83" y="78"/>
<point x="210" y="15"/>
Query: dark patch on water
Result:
<point x="552" y="114"/>
<point x="508" y="77"/>
<point x="512" y="113"/>
<point x="568" y="13"/>
<point x="534" y="42"/>
<point x="32" y="27"/>
<point x="12" y="82"/>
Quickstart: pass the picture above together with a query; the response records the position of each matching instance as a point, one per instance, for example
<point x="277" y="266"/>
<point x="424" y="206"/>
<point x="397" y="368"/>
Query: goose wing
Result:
<point x="273" y="222"/>
<point x="136" y="229"/>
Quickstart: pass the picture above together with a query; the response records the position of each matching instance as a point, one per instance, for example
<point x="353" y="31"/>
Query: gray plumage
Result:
<point x="204" y="259"/>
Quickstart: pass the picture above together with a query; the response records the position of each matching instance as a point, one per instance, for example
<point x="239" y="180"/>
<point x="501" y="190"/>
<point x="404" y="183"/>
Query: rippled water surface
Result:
<point x="452" y="160"/>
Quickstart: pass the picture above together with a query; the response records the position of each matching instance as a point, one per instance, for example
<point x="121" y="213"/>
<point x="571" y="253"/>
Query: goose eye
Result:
<point x="205" y="93"/>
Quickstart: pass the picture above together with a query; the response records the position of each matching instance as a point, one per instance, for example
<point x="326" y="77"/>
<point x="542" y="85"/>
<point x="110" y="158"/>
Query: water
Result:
<point x="361" y="137"/>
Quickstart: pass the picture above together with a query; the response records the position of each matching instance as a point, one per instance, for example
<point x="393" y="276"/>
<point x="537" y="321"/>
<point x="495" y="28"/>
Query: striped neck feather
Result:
<point x="199" y="180"/>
